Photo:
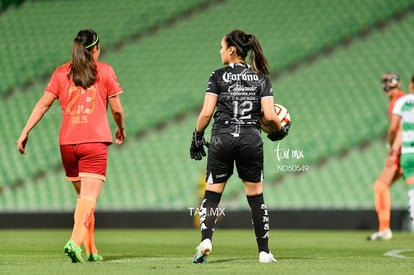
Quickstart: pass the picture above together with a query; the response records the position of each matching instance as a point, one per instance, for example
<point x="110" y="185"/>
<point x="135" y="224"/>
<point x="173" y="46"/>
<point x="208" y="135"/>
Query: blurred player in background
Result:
<point x="84" y="88"/>
<point x="391" y="172"/>
<point x="237" y="93"/>
<point x="403" y="146"/>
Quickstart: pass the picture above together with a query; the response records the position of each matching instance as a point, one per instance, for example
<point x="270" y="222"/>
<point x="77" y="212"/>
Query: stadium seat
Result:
<point x="335" y="100"/>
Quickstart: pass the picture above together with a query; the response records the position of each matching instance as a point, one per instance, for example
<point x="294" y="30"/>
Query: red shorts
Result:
<point x="84" y="160"/>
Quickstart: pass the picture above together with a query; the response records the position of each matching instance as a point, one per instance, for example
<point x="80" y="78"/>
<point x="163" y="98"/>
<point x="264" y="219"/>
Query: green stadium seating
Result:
<point x="335" y="101"/>
<point x="343" y="182"/>
<point x="37" y="32"/>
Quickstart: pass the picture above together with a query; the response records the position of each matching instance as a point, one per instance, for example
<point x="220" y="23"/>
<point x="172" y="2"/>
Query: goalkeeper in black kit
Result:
<point x="237" y="94"/>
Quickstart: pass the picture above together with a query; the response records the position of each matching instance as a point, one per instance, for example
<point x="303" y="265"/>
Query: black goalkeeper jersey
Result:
<point x="239" y="90"/>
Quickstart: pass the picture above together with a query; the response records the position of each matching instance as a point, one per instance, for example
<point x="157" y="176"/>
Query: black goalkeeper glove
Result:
<point x="197" y="146"/>
<point x="281" y="133"/>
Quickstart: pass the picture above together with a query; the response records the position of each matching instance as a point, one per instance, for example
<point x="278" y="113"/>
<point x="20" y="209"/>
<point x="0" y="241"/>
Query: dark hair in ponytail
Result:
<point x="245" y="43"/>
<point x="83" y="68"/>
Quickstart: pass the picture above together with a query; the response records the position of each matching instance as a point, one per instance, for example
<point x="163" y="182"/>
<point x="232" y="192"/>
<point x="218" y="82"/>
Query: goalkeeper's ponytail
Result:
<point x="245" y="43"/>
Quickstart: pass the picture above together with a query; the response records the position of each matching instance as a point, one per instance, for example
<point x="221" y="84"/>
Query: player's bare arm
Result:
<point x="269" y="113"/>
<point x="118" y="115"/>
<point x="206" y="113"/>
<point x="393" y="129"/>
<point x="41" y="107"/>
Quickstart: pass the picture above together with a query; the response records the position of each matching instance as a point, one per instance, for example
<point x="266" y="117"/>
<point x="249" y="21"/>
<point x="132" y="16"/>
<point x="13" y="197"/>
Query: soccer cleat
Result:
<point x="203" y="249"/>
<point x="74" y="252"/>
<point x="381" y="235"/>
<point x="266" y="257"/>
<point x="94" y="257"/>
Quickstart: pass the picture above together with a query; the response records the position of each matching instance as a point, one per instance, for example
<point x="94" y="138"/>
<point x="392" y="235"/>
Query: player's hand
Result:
<point x="21" y="143"/>
<point x="281" y="134"/>
<point x="119" y="135"/>
<point x="197" y="146"/>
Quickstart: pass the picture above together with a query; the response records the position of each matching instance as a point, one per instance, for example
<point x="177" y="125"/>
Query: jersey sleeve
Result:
<point x="267" y="88"/>
<point x="396" y="110"/>
<point x="53" y="86"/>
<point x="112" y="84"/>
<point x="212" y="87"/>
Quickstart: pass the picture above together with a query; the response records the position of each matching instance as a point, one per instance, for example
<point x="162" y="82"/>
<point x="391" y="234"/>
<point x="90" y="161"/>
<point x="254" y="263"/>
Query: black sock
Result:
<point x="208" y="214"/>
<point x="260" y="220"/>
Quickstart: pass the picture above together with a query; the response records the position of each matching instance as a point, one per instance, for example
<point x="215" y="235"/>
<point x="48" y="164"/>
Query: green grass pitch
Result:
<point x="163" y="251"/>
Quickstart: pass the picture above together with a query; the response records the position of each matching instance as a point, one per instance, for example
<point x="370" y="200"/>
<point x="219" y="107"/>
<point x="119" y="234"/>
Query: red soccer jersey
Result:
<point x="84" y="112"/>
<point x="392" y="103"/>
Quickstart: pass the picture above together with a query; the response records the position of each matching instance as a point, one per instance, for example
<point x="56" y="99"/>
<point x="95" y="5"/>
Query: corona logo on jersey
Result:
<point x="228" y="77"/>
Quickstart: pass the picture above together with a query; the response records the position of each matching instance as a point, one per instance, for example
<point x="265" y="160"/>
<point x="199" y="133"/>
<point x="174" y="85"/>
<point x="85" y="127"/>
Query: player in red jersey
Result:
<point x="392" y="171"/>
<point x="84" y="86"/>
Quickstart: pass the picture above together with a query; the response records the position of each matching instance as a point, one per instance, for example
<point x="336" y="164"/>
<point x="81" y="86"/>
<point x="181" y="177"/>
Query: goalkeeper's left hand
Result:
<point x="197" y="151"/>
<point x="279" y="135"/>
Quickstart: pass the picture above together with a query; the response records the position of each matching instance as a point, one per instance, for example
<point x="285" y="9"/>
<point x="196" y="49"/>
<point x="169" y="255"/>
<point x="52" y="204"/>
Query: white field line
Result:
<point x="397" y="253"/>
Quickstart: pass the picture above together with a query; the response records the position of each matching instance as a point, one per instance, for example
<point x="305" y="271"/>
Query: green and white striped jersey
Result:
<point x="404" y="107"/>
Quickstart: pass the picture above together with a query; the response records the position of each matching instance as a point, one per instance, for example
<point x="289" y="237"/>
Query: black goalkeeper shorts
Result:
<point x="225" y="150"/>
